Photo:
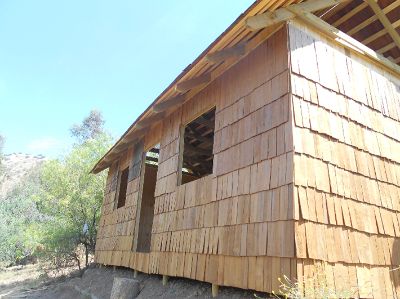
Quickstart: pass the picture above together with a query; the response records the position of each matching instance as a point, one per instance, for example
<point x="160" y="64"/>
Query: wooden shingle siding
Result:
<point x="236" y="224"/>
<point x="209" y="228"/>
<point x="346" y="167"/>
<point x="305" y="182"/>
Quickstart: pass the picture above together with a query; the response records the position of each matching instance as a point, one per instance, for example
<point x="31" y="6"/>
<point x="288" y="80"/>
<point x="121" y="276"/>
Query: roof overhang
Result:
<point x="367" y="27"/>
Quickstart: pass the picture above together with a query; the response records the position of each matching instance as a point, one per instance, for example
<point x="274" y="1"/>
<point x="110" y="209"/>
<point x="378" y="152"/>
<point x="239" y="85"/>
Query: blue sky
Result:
<point x="60" y="59"/>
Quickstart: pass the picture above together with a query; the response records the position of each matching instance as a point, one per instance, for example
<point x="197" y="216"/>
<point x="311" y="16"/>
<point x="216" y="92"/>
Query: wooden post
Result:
<point x="214" y="290"/>
<point x="100" y="265"/>
<point x="114" y="268"/>
<point x="164" y="280"/>
<point x="135" y="274"/>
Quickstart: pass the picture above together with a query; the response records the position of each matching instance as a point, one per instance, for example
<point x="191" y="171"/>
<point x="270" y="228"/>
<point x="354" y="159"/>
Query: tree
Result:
<point x="72" y="197"/>
<point x="18" y="214"/>
<point x="91" y="127"/>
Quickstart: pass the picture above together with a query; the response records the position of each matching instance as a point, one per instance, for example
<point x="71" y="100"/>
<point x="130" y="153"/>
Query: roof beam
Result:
<point x="380" y="33"/>
<point x="251" y="44"/>
<point x="372" y="19"/>
<point x="173" y="101"/>
<point x="344" y="39"/>
<point x="385" y="21"/>
<point x="331" y="11"/>
<point x="386" y="48"/>
<point x="192" y="83"/>
<point x="350" y="14"/>
<point x="222" y="55"/>
<point x="196" y="150"/>
<point x="150" y="120"/>
<point x="270" y="18"/>
<point x="134" y="135"/>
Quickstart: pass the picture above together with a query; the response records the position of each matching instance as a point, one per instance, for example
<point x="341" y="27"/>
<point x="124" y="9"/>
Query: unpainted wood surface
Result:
<point x="346" y="167"/>
<point x="234" y="227"/>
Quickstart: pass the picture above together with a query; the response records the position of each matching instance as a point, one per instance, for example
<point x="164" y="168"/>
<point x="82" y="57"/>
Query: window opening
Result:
<point x="198" y="143"/>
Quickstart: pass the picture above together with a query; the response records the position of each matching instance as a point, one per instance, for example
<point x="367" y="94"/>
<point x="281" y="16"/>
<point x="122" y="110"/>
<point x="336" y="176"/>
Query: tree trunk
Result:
<point x="86" y="255"/>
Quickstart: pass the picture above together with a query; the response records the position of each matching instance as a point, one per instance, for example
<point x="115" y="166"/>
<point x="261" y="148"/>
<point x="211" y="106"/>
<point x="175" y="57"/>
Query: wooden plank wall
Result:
<point x="116" y="231"/>
<point x="234" y="227"/>
<point x="116" y="226"/>
<point x="347" y="173"/>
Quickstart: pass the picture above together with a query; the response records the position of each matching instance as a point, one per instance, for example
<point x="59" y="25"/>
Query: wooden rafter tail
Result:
<point x="109" y="158"/>
<point x="187" y="85"/>
<point x="169" y="103"/>
<point x="220" y="56"/>
<point x="134" y="135"/>
<point x="283" y="14"/>
<point x="385" y="21"/>
<point x="150" y="120"/>
<point x="268" y="19"/>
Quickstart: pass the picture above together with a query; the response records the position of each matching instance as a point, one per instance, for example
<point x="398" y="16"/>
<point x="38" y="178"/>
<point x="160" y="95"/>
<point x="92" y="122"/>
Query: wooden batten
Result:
<point x="187" y="85"/>
<point x="169" y="103"/>
<point x="385" y="21"/>
<point x="220" y="56"/>
<point x="283" y="14"/>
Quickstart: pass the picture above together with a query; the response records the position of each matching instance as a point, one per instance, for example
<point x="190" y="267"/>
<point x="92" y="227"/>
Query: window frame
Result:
<point x="182" y="143"/>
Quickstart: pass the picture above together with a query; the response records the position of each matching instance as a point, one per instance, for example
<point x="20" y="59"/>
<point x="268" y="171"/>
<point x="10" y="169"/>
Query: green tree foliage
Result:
<point x="72" y="198"/>
<point x="18" y="215"/>
<point x="56" y="209"/>
<point x="91" y="127"/>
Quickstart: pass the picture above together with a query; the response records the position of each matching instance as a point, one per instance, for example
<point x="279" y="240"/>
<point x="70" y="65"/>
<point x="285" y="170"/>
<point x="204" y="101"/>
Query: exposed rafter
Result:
<point x="371" y="19"/>
<point x="171" y="102"/>
<point x="134" y="135"/>
<point x="386" y="48"/>
<point x="385" y="21"/>
<point x="350" y="14"/>
<point x="220" y="56"/>
<point x="150" y="120"/>
<point x="251" y="44"/>
<point x="380" y="33"/>
<point x="192" y="83"/>
<point x="282" y="14"/>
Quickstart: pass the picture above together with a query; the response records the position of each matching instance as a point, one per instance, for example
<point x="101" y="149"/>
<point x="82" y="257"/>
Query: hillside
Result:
<point x="14" y="168"/>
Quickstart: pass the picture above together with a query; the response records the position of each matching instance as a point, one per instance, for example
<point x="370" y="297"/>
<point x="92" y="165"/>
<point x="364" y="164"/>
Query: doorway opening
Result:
<point x="147" y="200"/>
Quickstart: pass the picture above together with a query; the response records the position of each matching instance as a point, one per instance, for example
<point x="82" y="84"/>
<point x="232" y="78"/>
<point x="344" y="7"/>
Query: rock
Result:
<point x="125" y="288"/>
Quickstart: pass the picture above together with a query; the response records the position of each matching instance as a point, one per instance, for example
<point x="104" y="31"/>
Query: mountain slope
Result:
<point x="15" y="168"/>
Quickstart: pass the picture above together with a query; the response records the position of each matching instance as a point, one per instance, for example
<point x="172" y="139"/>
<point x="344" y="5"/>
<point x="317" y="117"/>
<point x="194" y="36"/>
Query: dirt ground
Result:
<point x="96" y="283"/>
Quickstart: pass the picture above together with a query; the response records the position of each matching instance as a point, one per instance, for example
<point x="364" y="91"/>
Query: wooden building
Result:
<point x="276" y="152"/>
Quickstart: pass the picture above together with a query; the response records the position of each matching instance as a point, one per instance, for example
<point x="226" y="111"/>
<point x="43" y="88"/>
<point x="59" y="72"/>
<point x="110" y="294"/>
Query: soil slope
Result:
<point x="96" y="283"/>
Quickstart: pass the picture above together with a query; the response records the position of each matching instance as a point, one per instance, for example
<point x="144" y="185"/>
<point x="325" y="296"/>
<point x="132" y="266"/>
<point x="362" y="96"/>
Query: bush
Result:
<point x="18" y="214"/>
<point x="71" y="197"/>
